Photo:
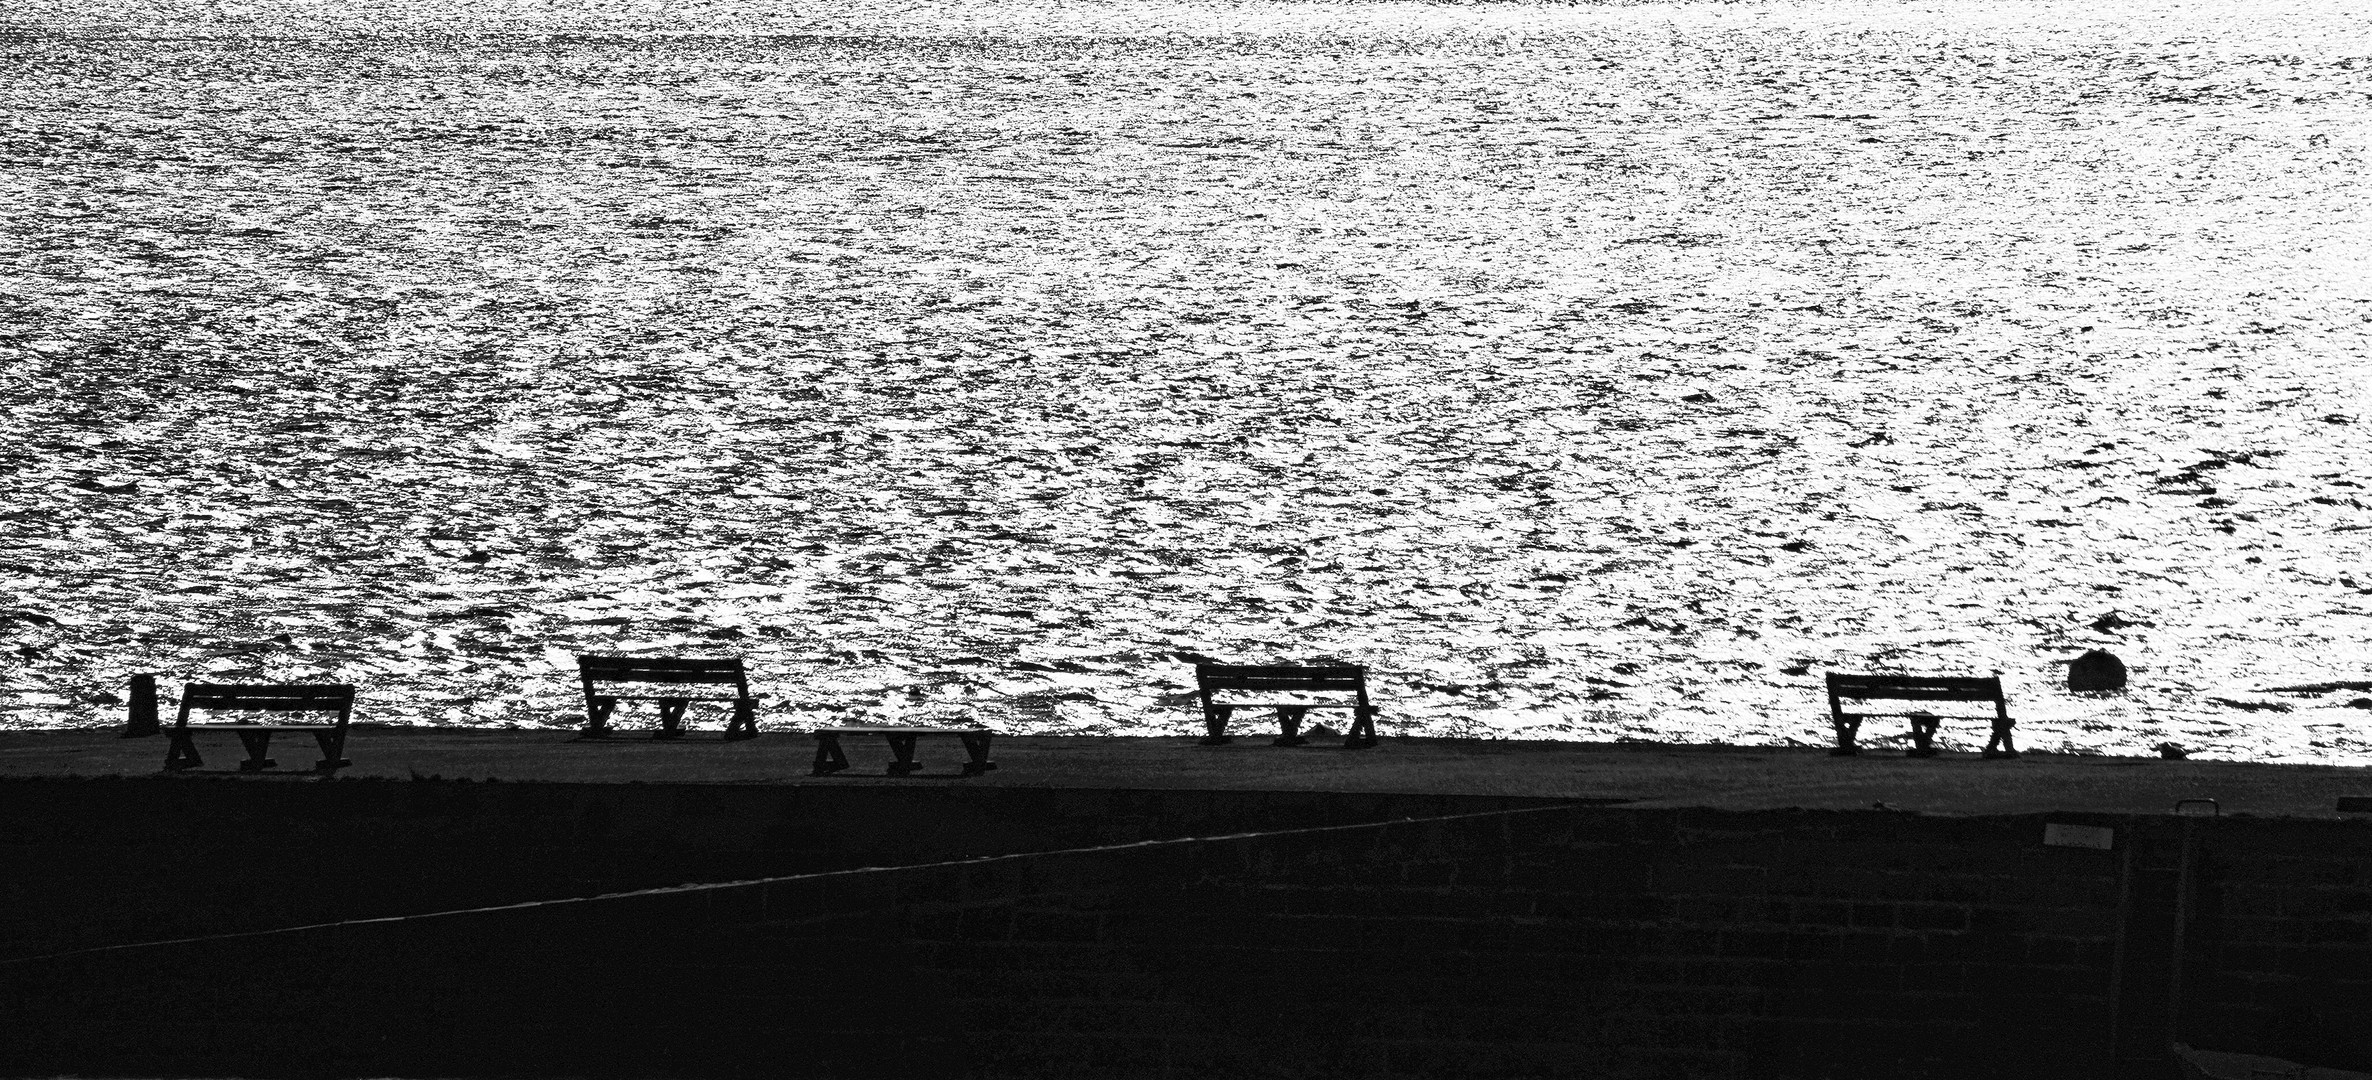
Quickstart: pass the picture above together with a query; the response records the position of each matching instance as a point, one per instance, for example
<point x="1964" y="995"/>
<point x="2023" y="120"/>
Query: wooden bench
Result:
<point x="182" y="752"/>
<point x="829" y="759"/>
<point x="1923" y="723"/>
<point x="1210" y="680"/>
<point x="602" y="675"/>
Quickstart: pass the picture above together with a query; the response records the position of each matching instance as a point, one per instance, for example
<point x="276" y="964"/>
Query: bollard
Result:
<point x="141" y="719"/>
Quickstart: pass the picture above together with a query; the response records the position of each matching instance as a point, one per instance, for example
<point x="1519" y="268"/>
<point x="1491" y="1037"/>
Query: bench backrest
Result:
<point x="1915" y="688"/>
<point x="1213" y="678"/>
<point x="678" y="670"/>
<point x="268" y="697"/>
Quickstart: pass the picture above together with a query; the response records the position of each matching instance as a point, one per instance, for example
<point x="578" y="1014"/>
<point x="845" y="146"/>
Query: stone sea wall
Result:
<point x="1546" y="941"/>
<point x="111" y="861"/>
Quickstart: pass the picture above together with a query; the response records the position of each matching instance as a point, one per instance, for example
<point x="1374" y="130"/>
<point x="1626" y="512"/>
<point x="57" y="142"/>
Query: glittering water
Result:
<point x="1589" y="371"/>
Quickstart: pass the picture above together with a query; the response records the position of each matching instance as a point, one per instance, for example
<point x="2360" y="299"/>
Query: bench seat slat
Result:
<point x="677" y="663"/>
<point x="679" y="697"/>
<point x="222" y="696"/>
<point x="661" y="668"/>
<point x="1919" y="694"/>
<point x="1241" y="686"/>
<point x="1281" y="679"/>
<point x="1293" y="704"/>
<point x="862" y="730"/>
<point x="261" y="693"/>
<point x="269" y="704"/>
<point x="686" y="677"/>
<point x="1900" y="686"/>
<point x="263" y="727"/>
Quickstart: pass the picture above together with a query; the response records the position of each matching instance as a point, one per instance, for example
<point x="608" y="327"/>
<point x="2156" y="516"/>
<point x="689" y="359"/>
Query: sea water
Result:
<point x="1588" y="371"/>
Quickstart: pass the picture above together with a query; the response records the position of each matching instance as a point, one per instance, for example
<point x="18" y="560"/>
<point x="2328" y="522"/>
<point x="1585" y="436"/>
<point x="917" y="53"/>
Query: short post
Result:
<point x="140" y="719"/>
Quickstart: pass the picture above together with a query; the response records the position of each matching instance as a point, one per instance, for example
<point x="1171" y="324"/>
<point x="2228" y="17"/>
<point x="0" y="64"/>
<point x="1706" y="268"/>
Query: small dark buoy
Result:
<point x="2097" y="669"/>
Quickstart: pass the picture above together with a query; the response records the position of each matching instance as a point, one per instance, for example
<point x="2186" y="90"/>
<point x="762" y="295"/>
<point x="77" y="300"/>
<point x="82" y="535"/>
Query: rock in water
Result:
<point x="2097" y="669"/>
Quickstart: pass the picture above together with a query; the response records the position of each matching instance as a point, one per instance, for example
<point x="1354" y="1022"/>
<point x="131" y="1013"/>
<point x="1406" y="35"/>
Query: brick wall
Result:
<point x="100" y="862"/>
<point x="1605" y="943"/>
<point x="2279" y="959"/>
<point x="1592" y="942"/>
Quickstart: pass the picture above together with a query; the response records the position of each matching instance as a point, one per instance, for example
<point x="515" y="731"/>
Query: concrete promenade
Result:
<point x="1644" y="775"/>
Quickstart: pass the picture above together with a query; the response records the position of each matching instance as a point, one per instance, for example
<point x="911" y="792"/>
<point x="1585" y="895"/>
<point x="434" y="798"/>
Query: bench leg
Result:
<point x="181" y="752"/>
<point x="1923" y="727"/>
<point x="902" y="754"/>
<point x="1214" y="721"/>
<point x="1848" y="726"/>
<point x="597" y="713"/>
<point x="258" y="743"/>
<point x="2000" y="745"/>
<point x="671" y="718"/>
<point x="828" y="758"/>
<point x="1289" y="721"/>
<point x="333" y="751"/>
<point x="1362" y="733"/>
<point x="976" y="746"/>
<point x="744" y="724"/>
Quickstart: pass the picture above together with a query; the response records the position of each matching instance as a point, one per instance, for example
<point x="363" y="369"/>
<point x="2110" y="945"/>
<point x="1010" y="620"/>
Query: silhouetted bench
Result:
<point x="662" y="679"/>
<point x="829" y="759"/>
<point x="1211" y="680"/>
<point x="1923" y="723"/>
<point x="182" y="752"/>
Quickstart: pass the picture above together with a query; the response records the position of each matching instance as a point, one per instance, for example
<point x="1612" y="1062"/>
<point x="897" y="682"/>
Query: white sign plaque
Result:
<point x="2091" y="836"/>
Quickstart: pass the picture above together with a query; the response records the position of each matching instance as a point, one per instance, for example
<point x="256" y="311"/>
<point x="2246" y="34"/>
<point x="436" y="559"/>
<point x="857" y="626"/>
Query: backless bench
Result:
<point x="829" y="758"/>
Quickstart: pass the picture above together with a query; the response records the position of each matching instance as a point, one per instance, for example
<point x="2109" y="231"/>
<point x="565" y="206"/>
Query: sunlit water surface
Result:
<point x="1588" y="371"/>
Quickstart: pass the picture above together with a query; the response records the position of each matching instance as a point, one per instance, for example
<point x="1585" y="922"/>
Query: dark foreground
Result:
<point x="520" y="904"/>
